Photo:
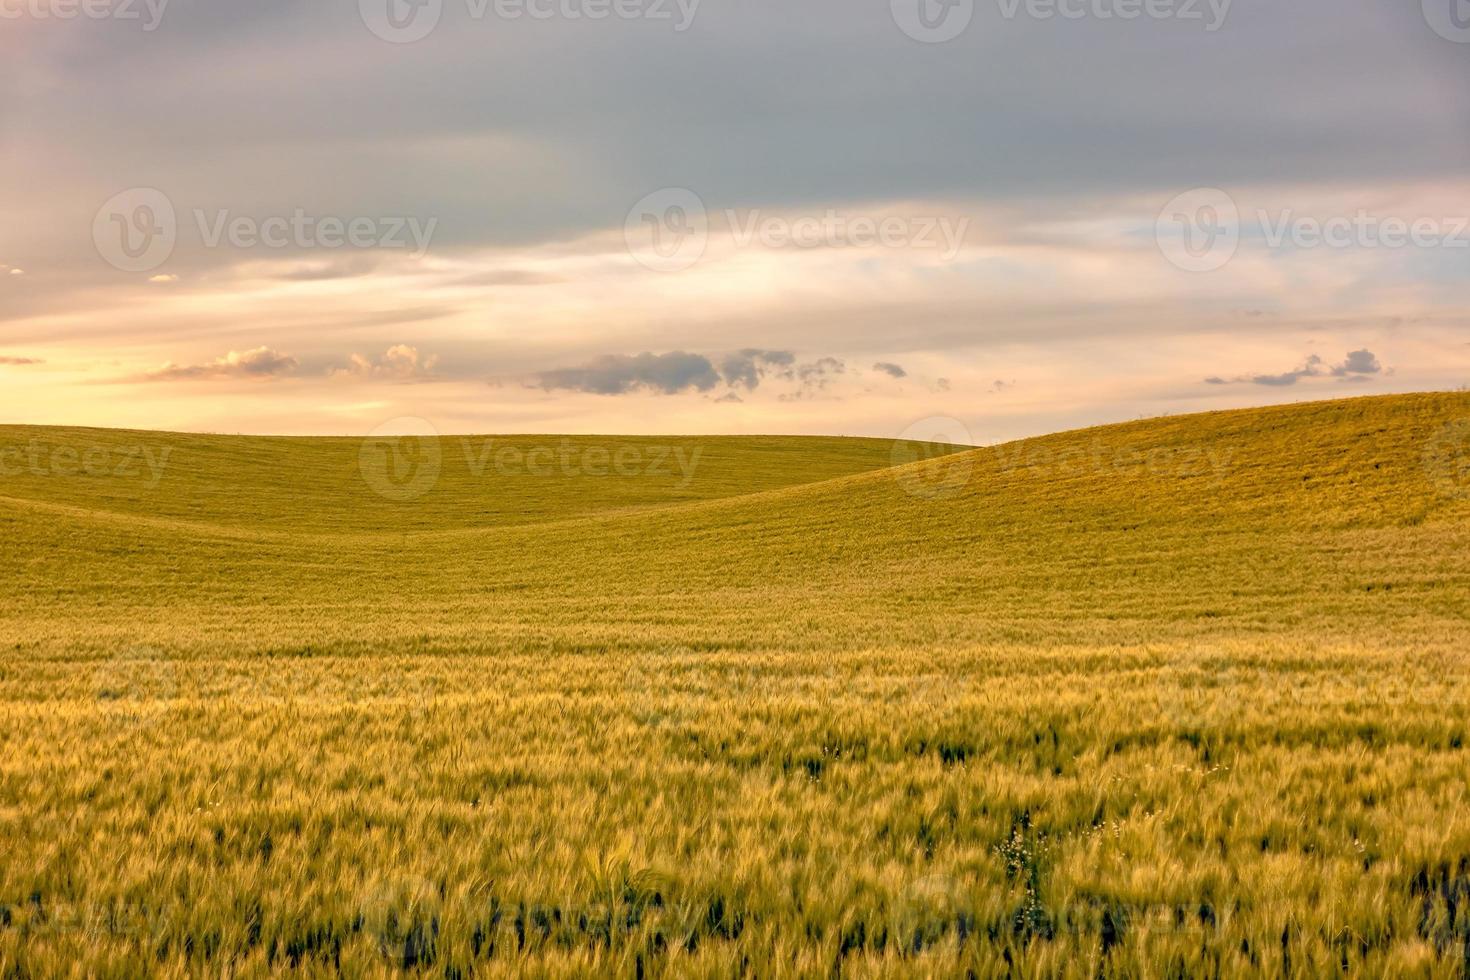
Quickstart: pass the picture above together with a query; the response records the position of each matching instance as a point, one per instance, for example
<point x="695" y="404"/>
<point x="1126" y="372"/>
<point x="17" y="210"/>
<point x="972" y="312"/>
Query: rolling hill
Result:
<point x="1180" y="695"/>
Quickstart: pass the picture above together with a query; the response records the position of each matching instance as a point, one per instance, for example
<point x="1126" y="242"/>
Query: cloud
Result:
<point x="814" y="378"/>
<point x="398" y="363"/>
<point x="558" y="163"/>
<point x="747" y="367"/>
<point x="20" y="361"/>
<point x="617" y="374"/>
<point x="817" y="373"/>
<point x="1357" y="366"/>
<point x="261" y="363"/>
<point x="892" y="370"/>
<point x="1311" y="369"/>
<point x="327" y="271"/>
<point x="1359" y="362"/>
<point x="678" y="371"/>
<point x="511" y="277"/>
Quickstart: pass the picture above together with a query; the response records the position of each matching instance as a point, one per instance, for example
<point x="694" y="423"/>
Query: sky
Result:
<point x="683" y="216"/>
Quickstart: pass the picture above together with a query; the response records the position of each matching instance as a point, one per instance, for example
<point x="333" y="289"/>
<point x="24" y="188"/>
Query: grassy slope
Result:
<point x="1202" y="663"/>
<point x="1307" y="515"/>
<point x="317" y="484"/>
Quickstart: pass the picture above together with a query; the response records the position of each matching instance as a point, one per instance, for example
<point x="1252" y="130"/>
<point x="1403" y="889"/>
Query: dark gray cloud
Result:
<point x="1358" y="366"/>
<point x="678" y="371"/>
<point x="1359" y="362"/>
<point x="818" y="373"/>
<point x="617" y="374"/>
<point x="1311" y="369"/>
<point x="813" y="378"/>
<point x="260" y="363"/>
<point x="890" y="369"/>
<point x="746" y="368"/>
<point x="298" y="105"/>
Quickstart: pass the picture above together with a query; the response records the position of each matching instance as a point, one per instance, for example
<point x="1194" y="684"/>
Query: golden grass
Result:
<point x="1179" y="697"/>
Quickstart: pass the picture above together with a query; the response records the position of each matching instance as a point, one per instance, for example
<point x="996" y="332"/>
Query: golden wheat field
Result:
<point x="1178" y="697"/>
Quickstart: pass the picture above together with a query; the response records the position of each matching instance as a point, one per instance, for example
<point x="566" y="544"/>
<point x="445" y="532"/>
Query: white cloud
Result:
<point x="260" y="363"/>
<point x="398" y="363"/>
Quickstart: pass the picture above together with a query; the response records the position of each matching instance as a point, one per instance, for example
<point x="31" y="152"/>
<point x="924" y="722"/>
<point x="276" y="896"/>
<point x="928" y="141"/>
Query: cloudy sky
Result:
<point x="837" y="216"/>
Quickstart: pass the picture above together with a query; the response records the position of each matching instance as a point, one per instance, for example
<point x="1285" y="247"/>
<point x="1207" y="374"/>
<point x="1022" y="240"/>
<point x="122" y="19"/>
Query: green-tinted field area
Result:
<point x="1180" y="697"/>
